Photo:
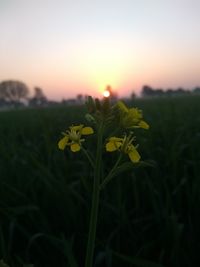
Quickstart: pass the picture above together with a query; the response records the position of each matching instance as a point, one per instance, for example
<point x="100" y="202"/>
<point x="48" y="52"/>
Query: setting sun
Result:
<point x="106" y="93"/>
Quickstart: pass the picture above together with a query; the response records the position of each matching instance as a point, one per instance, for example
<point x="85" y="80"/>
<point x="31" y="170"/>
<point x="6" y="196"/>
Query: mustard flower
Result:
<point x="131" y="117"/>
<point x="124" y="145"/>
<point x="73" y="138"/>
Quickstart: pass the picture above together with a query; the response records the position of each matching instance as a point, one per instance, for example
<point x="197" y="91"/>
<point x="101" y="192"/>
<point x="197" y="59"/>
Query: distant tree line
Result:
<point x="16" y="94"/>
<point x="148" y="91"/>
<point x="13" y="92"/>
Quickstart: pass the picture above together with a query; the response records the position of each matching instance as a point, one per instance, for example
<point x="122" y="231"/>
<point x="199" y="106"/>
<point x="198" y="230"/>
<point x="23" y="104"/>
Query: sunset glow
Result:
<point x="106" y="93"/>
<point x="80" y="46"/>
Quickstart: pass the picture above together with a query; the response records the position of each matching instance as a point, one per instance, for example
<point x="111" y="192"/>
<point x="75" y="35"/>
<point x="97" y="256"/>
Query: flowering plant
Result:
<point x="104" y="117"/>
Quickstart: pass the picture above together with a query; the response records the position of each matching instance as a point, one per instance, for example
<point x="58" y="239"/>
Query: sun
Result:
<point x="106" y="93"/>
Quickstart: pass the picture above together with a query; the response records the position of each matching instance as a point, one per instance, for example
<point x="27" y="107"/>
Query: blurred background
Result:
<point x="72" y="47"/>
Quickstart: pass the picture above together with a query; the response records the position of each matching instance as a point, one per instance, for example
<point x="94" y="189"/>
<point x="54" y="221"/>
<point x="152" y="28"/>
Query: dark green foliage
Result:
<point x="149" y="216"/>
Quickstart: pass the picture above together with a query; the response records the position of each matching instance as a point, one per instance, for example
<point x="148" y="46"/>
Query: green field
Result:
<point x="148" y="217"/>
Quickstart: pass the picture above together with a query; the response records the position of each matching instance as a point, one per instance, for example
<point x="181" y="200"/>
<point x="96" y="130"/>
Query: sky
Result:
<point x="68" y="47"/>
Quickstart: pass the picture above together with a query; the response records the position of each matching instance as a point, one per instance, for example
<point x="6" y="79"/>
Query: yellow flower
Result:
<point x="131" y="117"/>
<point x="73" y="138"/>
<point x="124" y="145"/>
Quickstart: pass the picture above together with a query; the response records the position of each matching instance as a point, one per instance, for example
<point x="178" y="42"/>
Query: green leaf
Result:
<point x="130" y="166"/>
<point x="127" y="166"/>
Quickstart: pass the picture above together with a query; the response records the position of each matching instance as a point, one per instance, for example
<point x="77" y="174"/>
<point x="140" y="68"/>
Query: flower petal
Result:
<point x="133" y="154"/>
<point x="63" y="142"/>
<point x="76" y="127"/>
<point x="112" y="146"/>
<point x="135" y="113"/>
<point x="75" y="147"/>
<point x="115" y="139"/>
<point x="143" y="125"/>
<point x="87" y="130"/>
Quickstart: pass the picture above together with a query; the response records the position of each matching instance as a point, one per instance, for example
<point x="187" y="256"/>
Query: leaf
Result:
<point x="130" y="166"/>
<point x="126" y="167"/>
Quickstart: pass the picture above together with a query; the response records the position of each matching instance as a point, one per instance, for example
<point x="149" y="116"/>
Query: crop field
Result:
<point x="149" y="216"/>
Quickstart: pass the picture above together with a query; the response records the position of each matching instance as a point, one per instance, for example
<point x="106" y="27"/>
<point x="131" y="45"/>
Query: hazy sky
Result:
<point x="79" y="46"/>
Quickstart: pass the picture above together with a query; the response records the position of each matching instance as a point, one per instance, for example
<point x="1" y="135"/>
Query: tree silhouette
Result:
<point x="159" y="92"/>
<point x="133" y="95"/>
<point x="147" y="91"/>
<point x="39" y="97"/>
<point x="13" y="91"/>
<point x="196" y="90"/>
<point x="113" y="95"/>
<point x="80" y="99"/>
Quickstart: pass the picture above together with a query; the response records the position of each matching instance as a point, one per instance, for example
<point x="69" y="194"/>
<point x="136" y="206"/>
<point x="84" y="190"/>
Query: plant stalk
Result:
<point x="111" y="173"/>
<point x="95" y="200"/>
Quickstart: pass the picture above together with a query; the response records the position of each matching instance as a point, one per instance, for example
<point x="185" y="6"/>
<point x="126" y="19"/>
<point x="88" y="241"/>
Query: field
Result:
<point x="148" y="217"/>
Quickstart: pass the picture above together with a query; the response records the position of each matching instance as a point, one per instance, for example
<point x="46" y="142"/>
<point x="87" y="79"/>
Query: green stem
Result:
<point x="95" y="201"/>
<point x="88" y="157"/>
<point x="111" y="173"/>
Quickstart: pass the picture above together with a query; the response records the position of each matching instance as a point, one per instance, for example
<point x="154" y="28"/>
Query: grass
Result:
<point x="149" y="217"/>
